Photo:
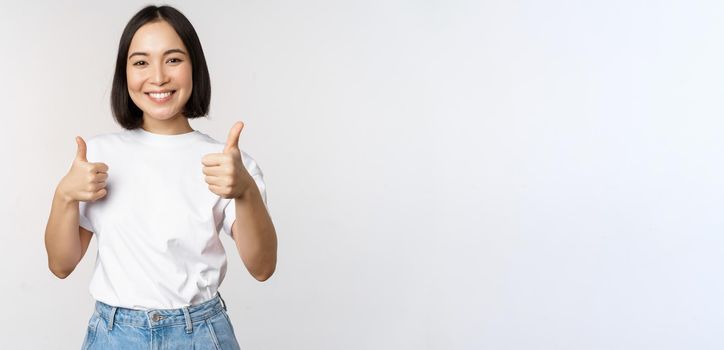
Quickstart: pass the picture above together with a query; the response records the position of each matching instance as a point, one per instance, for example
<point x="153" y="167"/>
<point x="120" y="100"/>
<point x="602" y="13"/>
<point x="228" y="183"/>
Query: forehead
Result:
<point x="155" y="38"/>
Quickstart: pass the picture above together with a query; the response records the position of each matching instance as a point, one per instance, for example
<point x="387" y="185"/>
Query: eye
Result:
<point x="175" y="59"/>
<point x="139" y="63"/>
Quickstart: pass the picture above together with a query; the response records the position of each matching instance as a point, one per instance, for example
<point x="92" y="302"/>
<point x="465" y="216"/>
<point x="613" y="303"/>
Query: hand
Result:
<point x="225" y="172"/>
<point x="85" y="181"/>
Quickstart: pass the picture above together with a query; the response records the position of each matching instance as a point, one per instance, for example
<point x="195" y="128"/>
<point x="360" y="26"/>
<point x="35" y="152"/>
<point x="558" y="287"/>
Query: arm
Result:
<point x="252" y="229"/>
<point x="65" y="241"/>
<point x="254" y="234"/>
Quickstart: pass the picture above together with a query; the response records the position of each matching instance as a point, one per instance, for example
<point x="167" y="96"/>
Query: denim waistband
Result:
<point x="154" y="318"/>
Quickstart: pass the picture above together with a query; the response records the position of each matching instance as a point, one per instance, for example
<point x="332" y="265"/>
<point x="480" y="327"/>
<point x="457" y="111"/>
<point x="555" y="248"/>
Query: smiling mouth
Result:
<point x="160" y="96"/>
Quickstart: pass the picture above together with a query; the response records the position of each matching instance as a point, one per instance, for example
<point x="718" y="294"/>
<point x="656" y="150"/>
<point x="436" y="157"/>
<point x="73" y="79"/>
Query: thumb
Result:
<point x="81" y="152"/>
<point x="232" y="142"/>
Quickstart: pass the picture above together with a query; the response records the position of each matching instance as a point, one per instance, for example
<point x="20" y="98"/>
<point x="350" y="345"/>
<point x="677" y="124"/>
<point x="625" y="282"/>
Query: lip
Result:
<point x="161" y="101"/>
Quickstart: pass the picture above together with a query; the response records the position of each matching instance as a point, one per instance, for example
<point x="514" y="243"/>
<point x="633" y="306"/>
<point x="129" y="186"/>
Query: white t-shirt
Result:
<point x="157" y="227"/>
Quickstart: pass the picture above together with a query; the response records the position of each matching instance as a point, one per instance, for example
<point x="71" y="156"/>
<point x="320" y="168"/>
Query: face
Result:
<point x="158" y="72"/>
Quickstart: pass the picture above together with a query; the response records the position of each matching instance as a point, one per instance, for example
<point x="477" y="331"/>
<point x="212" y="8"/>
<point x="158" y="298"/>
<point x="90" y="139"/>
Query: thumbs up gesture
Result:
<point x="84" y="181"/>
<point x="225" y="172"/>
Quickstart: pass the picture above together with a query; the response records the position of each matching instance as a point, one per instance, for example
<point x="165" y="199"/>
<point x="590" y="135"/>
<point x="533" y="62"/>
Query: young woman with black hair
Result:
<point x="156" y="195"/>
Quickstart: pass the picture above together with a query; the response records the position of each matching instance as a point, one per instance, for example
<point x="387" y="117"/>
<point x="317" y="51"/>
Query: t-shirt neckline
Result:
<point x="162" y="140"/>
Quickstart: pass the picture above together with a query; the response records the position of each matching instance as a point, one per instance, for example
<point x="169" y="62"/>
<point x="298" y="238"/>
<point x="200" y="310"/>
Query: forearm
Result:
<point x="254" y="234"/>
<point x="62" y="241"/>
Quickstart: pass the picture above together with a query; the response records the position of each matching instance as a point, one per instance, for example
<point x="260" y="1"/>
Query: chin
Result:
<point x="162" y="116"/>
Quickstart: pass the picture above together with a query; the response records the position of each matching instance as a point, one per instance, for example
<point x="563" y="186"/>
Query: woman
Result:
<point x="156" y="194"/>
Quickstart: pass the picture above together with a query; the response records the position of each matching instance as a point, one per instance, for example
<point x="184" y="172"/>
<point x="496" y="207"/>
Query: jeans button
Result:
<point x="156" y="317"/>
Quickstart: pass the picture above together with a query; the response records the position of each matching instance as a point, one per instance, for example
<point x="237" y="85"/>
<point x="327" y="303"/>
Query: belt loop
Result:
<point x="223" y="303"/>
<point x="189" y="326"/>
<point x="110" y="319"/>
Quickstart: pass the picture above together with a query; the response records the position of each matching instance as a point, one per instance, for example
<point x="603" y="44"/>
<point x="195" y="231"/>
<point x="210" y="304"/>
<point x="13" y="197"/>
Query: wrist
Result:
<point x="248" y="192"/>
<point x="63" y="197"/>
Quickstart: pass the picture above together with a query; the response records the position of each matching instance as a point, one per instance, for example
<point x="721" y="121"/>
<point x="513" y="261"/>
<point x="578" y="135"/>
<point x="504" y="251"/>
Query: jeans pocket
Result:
<point x="91" y="330"/>
<point x="222" y="331"/>
<point x="228" y="320"/>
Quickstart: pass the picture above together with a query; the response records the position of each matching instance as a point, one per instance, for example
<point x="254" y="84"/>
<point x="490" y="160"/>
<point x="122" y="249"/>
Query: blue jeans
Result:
<point x="202" y="326"/>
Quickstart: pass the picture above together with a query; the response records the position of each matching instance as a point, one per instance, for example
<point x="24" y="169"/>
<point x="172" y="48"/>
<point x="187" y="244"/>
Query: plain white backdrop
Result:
<point x="441" y="174"/>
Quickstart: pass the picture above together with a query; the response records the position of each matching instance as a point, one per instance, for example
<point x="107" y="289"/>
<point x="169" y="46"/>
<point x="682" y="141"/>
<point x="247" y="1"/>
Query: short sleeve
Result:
<point x="84" y="207"/>
<point x="83" y="220"/>
<point x="230" y="210"/>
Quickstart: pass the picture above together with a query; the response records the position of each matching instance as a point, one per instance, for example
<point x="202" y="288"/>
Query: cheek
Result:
<point x="134" y="82"/>
<point x="184" y="77"/>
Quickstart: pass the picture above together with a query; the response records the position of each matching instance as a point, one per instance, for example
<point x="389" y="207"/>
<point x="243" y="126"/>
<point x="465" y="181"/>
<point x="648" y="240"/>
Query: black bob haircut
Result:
<point x="124" y="110"/>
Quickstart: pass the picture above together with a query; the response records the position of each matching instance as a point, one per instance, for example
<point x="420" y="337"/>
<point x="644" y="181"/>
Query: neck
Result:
<point x="173" y="126"/>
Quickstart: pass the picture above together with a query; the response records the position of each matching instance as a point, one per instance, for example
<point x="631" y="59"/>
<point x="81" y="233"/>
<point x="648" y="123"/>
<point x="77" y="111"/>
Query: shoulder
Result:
<point x="207" y="139"/>
<point x="107" y="137"/>
<point x="100" y="144"/>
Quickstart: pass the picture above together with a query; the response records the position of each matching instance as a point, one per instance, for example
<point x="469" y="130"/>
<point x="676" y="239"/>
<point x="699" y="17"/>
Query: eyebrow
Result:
<point x="165" y="53"/>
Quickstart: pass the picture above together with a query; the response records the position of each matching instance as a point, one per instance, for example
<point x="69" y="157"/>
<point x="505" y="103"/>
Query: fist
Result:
<point x="84" y="181"/>
<point x="225" y="172"/>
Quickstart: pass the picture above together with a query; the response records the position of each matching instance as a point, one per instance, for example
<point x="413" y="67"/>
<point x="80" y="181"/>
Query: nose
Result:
<point x="158" y="76"/>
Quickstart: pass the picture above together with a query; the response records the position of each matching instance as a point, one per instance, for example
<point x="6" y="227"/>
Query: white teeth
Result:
<point x="160" y="96"/>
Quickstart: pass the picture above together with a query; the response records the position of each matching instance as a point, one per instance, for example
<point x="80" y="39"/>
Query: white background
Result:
<point x="441" y="174"/>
